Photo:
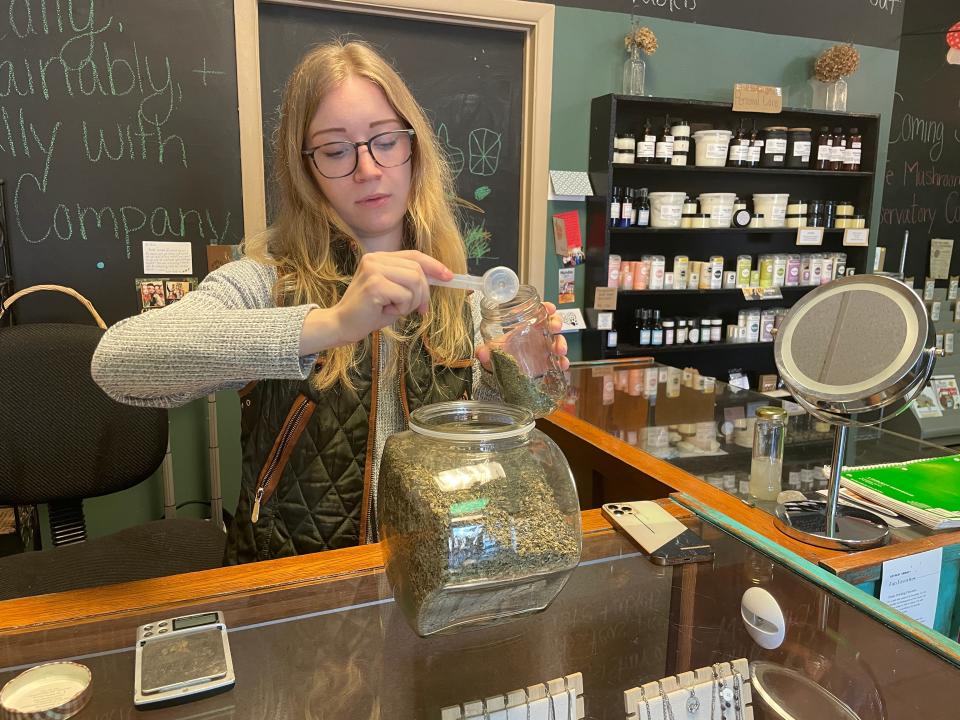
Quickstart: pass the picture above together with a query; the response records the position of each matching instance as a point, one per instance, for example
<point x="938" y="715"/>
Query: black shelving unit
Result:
<point x="611" y="114"/>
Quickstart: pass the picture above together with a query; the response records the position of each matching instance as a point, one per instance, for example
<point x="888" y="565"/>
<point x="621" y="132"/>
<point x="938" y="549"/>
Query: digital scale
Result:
<point x="182" y="658"/>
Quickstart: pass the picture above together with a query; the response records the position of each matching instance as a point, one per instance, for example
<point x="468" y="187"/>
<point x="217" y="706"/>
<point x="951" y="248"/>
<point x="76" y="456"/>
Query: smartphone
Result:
<point x="666" y="540"/>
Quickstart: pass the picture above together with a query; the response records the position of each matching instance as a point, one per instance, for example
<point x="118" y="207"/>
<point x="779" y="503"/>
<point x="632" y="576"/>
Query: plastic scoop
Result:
<point x="499" y="284"/>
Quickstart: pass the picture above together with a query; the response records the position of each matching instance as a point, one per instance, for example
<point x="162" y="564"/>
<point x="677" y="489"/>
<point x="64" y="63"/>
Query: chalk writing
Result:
<point x="673" y="5"/>
<point x="889" y="6"/>
<point x="97" y="136"/>
<point x="912" y="214"/>
<point x="913" y="129"/>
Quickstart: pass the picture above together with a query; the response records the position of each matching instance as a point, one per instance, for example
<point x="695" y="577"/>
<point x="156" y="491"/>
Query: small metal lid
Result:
<point x="52" y="691"/>
<point x="770" y="412"/>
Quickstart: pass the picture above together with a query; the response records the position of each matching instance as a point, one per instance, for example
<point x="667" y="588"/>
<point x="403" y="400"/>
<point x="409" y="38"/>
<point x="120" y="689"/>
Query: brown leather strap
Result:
<point x="57" y="288"/>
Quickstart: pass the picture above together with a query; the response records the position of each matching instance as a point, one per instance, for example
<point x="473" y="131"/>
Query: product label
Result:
<point x="801" y="149"/>
<point x="645" y="149"/>
<point x="645" y="337"/>
<point x="755" y="150"/>
<point x="739" y="153"/>
<point x="665" y="149"/>
<point x="824" y="152"/>
<point x="776" y="146"/>
<point x="680" y="159"/>
<point x="851" y="156"/>
<point x="614" y="211"/>
<point x="836" y="153"/>
<point x="626" y="212"/>
<point x="681" y="145"/>
<point x="670" y="212"/>
<point x="722" y="214"/>
<point x="716" y="151"/>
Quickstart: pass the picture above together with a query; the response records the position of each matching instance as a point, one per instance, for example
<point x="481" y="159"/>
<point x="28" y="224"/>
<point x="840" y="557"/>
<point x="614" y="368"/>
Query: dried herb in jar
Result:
<point x="518" y="388"/>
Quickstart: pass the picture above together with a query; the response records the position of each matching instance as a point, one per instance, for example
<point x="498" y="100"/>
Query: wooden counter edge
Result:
<point x="867" y="565"/>
<point x="682" y="481"/>
<point x="79" y="606"/>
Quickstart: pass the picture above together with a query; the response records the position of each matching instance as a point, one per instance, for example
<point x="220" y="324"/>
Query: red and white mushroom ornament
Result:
<point x="953" y="40"/>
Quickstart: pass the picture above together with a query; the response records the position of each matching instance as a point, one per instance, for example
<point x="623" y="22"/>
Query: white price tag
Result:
<point x="810" y="236"/>
<point x="935" y="310"/>
<point x="605" y="321"/>
<point x="856" y="237"/>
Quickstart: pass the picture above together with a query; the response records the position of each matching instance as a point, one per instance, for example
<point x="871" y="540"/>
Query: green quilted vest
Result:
<point x="314" y="486"/>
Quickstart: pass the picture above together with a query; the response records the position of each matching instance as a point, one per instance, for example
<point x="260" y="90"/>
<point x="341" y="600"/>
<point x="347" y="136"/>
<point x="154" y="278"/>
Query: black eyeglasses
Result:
<point x="339" y="159"/>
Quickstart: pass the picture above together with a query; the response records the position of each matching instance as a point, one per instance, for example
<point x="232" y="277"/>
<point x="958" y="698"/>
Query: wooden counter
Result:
<point x="610" y="470"/>
<point x="164" y="595"/>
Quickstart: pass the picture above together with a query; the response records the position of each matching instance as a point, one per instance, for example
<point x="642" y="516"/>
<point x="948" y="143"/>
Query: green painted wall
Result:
<point x="694" y="61"/>
<point x="697" y="62"/>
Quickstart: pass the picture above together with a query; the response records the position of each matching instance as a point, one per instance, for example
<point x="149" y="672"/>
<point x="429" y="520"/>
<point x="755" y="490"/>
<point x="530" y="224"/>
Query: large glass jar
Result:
<point x="766" y="467"/>
<point x="478" y="515"/>
<point x="521" y="352"/>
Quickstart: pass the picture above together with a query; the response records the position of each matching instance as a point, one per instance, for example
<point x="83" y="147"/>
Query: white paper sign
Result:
<point x="605" y="321"/>
<point x="856" y="237"/>
<point x="167" y="258"/>
<point x="912" y="585"/>
<point x="572" y="319"/>
<point x="940" y="252"/>
<point x="810" y="236"/>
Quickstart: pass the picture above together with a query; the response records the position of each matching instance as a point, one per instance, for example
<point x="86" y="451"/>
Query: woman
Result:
<point x="328" y="324"/>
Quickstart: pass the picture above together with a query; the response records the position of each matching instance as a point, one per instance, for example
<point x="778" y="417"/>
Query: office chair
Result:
<point x="62" y="439"/>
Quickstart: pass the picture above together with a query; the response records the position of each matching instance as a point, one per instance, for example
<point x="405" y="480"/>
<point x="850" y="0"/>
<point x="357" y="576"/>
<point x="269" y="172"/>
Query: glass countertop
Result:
<point x="341" y="648"/>
<point x="705" y="427"/>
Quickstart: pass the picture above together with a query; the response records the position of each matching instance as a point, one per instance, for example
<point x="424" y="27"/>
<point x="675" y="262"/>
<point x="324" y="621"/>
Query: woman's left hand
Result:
<point x="554" y="325"/>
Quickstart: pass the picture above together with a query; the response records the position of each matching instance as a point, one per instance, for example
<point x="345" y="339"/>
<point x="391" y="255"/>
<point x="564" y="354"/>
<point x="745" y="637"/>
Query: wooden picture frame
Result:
<point x="534" y="20"/>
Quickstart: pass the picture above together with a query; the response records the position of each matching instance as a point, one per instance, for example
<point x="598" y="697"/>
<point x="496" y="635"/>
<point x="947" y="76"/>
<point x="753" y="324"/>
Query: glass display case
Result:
<point x="706" y="428"/>
<point x="339" y="647"/>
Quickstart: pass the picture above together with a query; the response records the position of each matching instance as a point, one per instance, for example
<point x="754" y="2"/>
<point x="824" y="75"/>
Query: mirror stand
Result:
<point x="828" y="524"/>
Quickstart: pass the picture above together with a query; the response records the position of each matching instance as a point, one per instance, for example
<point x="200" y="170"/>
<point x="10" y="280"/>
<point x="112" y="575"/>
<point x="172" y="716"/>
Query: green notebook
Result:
<point x="927" y="491"/>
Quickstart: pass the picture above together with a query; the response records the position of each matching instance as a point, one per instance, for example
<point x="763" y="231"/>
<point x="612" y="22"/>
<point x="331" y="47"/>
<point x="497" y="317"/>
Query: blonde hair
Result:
<point x="311" y="246"/>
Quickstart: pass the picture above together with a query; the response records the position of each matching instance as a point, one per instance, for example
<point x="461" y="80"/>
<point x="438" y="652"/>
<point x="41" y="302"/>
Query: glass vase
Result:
<point x="634" y="72"/>
<point x="837" y="96"/>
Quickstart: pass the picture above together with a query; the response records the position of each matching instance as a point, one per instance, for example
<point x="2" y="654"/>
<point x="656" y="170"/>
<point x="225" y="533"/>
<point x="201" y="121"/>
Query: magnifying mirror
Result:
<point x="854" y="352"/>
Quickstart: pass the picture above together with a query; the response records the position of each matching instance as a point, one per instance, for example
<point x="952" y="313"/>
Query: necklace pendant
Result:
<point x="693" y="705"/>
<point x="727" y="694"/>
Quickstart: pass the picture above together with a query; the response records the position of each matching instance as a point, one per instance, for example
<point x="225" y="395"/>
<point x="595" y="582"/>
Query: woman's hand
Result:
<point x="554" y="325"/>
<point x="386" y="286"/>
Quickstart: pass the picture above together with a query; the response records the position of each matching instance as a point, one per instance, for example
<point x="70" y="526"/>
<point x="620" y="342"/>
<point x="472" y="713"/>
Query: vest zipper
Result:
<point x="274" y="461"/>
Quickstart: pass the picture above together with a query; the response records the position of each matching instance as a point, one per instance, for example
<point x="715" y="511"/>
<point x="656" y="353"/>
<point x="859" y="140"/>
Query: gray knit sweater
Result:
<point x="223" y="335"/>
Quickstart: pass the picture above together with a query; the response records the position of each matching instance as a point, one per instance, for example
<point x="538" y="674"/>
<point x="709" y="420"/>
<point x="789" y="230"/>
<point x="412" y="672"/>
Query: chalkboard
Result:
<point x="922" y="179"/>
<point x="118" y="125"/>
<point x="468" y="79"/>
<point x="864" y="22"/>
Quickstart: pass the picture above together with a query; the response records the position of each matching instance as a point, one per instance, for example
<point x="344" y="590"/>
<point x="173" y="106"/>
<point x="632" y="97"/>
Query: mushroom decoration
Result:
<point x="953" y="40"/>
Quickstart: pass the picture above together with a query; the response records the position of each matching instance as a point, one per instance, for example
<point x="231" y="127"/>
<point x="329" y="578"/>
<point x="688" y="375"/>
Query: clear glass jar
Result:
<point x="521" y="350"/>
<point x="634" y="72"/>
<point x="766" y="467"/>
<point x="478" y="515"/>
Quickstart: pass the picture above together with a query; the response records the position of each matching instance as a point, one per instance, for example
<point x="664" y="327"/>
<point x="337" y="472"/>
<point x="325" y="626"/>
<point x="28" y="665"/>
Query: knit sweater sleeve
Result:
<point x="220" y="336"/>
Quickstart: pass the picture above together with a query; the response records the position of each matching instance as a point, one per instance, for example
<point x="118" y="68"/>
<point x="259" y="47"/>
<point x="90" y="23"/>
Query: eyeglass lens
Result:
<point x="338" y="159"/>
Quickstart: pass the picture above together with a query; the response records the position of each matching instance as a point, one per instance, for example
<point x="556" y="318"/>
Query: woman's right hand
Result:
<point x="386" y="286"/>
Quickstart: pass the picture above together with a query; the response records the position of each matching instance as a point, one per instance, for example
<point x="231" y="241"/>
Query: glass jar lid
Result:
<point x="471" y="420"/>
<point x="771" y="413"/>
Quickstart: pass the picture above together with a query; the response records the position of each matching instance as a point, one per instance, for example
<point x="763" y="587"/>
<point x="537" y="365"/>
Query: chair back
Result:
<point x="61" y="436"/>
